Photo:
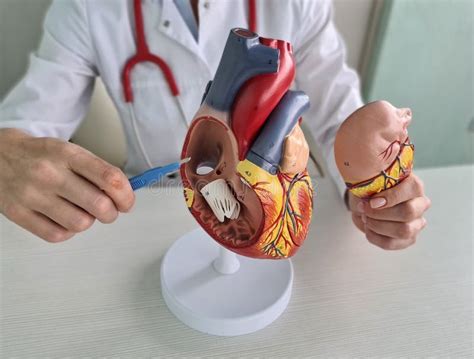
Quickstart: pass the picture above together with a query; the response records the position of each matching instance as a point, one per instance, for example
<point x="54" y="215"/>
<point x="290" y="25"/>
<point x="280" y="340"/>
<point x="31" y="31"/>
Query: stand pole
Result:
<point x="198" y="292"/>
<point x="227" y="262"/>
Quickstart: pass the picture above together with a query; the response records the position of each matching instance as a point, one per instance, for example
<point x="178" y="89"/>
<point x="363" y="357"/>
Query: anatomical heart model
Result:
<point x="246" y="183"/>
<point x="372" y="149"/>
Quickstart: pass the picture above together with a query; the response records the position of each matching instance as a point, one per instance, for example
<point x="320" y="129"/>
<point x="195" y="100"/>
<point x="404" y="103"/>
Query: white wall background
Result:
<point x="20" y="32"/>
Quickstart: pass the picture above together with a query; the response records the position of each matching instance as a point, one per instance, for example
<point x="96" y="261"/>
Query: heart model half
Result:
<point x="233" y="184"/>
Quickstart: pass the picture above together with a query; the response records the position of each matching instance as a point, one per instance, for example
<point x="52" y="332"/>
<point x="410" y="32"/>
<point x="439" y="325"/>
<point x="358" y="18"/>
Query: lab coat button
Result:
<point x="207" y="5"/>
<point x="166" y="23"/>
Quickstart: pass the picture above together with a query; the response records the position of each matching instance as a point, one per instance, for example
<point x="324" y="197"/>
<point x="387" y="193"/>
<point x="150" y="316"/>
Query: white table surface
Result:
<point x="99" y="294"/>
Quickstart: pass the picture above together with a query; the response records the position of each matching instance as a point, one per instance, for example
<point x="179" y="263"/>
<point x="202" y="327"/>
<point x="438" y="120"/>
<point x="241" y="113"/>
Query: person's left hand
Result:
<point x="393" y="218"/>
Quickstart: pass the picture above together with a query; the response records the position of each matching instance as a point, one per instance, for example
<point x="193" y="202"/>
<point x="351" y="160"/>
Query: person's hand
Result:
<point x="393" y="218"/>
<point x="56" y="189"/>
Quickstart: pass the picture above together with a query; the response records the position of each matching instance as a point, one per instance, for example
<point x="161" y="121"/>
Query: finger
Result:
<point x="37" y="224"/>
<point x="400" y="230"/>
<point x="357" y="219"/>
<point x="87" y="196"/>
<point x="409" y="188"/>
<point x="356" y="204"/>
<point x="64" y="213"/>
<point x="388" y="243"/>
<point x="105" y="176"/>
<point x="403" y="212"/>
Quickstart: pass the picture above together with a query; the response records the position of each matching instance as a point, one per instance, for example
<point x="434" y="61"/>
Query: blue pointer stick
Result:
<point x="155" y="174"/>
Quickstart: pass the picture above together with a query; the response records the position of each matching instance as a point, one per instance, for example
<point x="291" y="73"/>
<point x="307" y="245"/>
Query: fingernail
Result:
<point x="364" y="218"/>
<point x="360" y="207"/>
<point x="378" y="202"/>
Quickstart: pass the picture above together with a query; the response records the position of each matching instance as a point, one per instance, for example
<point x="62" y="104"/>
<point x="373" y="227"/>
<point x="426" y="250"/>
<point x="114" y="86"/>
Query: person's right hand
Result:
<point x="56" y="189"/>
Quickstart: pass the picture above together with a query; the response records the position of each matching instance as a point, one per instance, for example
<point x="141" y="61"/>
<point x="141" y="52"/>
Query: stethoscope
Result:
<point x="143" y="54"/>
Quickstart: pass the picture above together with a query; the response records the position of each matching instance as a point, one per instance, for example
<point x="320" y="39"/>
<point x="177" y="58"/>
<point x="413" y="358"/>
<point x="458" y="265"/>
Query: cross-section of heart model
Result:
<point x="247" y="183"/>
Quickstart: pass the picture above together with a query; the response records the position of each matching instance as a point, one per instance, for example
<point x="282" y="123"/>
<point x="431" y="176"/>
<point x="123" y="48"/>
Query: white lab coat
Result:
<point x="87" y="38"/>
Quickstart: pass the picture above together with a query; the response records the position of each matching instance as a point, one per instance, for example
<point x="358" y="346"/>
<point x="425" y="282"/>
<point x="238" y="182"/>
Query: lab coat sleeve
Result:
<point x="321" y="72"/>
<point x="53" y="96"/>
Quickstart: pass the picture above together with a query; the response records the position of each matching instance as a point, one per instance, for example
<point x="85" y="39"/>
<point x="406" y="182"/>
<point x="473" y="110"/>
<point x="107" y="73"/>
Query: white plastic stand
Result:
<point x="215" y="291"/>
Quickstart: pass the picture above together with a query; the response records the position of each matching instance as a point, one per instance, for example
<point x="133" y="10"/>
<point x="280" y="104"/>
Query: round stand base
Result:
<point x="222" y="304"/>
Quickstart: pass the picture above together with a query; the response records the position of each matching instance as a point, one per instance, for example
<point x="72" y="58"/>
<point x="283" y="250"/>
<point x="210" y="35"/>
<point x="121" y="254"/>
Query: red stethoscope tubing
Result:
<point x="252" y="16"/>
<point x="143" y="53"/>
